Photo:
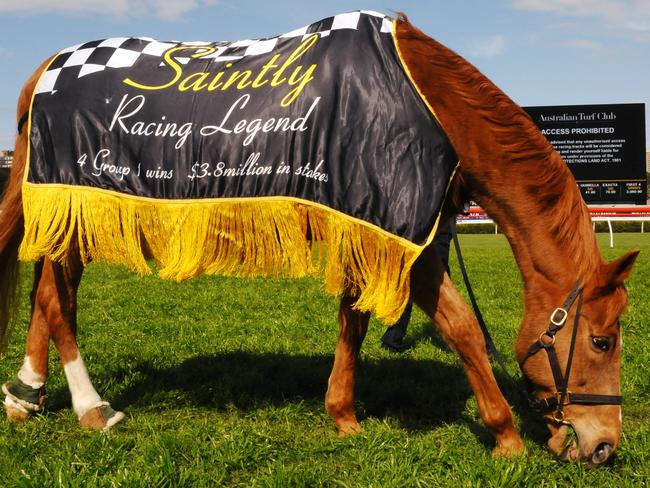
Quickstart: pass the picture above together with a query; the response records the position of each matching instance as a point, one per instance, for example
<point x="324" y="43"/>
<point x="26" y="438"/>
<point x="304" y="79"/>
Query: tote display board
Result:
<point x="603" y="146"/>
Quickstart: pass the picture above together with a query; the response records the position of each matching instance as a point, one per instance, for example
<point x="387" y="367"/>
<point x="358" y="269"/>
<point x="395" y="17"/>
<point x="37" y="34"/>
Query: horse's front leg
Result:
<point x="339" y="400"/>
<point x="434" y="292"/>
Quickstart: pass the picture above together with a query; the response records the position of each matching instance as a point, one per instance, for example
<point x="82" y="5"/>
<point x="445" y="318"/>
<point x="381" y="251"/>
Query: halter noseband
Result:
<point x="546" y="341"/>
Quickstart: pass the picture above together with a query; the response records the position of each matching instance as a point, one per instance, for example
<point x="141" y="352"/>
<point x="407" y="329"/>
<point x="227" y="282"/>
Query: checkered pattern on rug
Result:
<point x="123" y="52"/>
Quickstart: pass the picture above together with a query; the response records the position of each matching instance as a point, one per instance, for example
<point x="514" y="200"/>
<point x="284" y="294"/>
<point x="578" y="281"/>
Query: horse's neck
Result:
<point x="529" y="192"/>
<point x="507" y="164"/>
<point x="537" y="205"/>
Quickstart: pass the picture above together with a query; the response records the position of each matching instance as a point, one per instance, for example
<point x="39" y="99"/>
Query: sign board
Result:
<point x="603" y="146"/>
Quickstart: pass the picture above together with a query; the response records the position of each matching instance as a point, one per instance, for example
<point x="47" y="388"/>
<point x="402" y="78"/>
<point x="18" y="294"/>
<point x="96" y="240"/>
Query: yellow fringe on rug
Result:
<point x="233" y="237"/>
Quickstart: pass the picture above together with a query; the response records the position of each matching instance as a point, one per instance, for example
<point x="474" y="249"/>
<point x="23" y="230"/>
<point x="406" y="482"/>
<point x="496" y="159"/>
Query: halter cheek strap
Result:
<point x="546" y="341"/>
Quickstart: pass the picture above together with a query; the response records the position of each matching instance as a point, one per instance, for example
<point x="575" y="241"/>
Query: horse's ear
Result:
<point x="618" y="271"/>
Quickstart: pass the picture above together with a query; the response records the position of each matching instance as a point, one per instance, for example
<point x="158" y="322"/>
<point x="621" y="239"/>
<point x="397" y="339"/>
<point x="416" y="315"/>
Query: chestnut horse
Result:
<point x="509" y="168"/>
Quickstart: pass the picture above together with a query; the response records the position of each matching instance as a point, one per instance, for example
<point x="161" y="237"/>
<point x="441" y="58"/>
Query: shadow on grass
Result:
<point x="532" y="425"/>
<point x="420" y="394"/>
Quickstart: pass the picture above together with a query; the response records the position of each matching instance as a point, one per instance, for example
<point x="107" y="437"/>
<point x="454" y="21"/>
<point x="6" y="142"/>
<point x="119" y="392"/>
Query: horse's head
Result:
<point x="581" y="339"/>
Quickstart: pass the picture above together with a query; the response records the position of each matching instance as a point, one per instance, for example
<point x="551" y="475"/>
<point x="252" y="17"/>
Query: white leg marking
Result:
<point x="28" y="376"/>
<point x="84" y="396"/>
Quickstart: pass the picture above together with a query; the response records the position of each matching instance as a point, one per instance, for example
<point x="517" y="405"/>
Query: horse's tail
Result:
<point x="11" y="215"/>
<point x="11" y="234"/>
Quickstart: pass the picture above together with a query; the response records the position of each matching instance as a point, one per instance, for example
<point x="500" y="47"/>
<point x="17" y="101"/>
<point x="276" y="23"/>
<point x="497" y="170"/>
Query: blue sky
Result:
<point x="540" y="52"/>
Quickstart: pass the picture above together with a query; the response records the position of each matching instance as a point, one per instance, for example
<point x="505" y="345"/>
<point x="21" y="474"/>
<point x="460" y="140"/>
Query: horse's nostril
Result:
<point x="601" y="454"/>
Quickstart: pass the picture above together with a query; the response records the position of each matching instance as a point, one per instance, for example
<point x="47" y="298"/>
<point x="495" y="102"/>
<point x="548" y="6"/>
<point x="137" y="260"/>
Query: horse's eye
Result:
<point x="602" y="343"/>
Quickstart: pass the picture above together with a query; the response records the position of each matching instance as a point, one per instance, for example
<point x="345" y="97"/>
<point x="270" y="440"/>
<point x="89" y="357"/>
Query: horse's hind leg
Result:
<point x="434" y="292"/>
<point x="54" y="315"/>
<point x="26" y="393"/>
<point x="339" y="400"/>
<point x="57" y="296"/>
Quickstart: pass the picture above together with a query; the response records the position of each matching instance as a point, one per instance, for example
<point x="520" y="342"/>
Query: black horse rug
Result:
<point x="240" y="158"/>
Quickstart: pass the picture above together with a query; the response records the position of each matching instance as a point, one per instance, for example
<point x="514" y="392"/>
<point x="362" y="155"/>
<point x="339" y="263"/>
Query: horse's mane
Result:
<point x="525" y="153"/>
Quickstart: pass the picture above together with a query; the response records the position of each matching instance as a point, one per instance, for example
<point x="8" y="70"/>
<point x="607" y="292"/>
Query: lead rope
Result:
<point x="489" y="343"/>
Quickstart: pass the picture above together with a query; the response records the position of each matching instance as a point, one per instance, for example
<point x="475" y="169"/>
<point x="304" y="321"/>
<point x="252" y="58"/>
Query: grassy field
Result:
<point x="223" y="382"/>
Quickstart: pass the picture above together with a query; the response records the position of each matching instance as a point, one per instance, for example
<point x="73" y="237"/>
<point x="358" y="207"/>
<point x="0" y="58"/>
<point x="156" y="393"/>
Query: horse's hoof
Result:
<point x="349" y="429"/>
<point x="22" y="397"/>
<point x="101" y="418"/>
<point x="21" y="400"/>
<point x="15" y="412"/>
<point x="510" y="450"/>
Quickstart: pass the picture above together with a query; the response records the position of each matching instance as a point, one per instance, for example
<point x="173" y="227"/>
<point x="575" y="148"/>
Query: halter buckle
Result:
<point x="559" y="417"/>
<point x="544" y="343"/>
<point x="559" y="316"/>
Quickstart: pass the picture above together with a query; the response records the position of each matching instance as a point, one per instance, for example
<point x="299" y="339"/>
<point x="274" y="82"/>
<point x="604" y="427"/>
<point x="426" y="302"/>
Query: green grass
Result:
<point x="223" y="381"/>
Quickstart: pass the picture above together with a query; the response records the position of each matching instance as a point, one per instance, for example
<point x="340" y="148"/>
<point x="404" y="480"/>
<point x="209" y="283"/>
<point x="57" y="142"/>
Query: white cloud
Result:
<point x="585" y="44"/>
<point x="487" y="48"/>
<point x="641" y="25"/>
<point x="630" y="17"/>
<point x="164" y="9"/>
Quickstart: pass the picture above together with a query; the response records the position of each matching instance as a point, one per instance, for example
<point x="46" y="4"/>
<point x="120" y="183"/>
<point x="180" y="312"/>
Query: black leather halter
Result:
<point x="562" y="396"/>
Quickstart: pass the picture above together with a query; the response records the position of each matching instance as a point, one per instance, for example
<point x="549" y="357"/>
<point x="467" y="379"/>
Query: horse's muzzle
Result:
<point x="565" y="444"/>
